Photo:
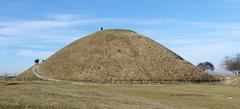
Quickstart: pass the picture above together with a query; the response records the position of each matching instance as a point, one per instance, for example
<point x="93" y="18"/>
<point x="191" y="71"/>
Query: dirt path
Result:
<point x="36" y="72"/>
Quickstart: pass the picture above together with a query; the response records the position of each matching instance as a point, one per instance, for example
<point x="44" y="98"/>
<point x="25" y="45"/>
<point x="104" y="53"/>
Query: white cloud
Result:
<point x="60" y="29"/>
<point x="20" y="27"/>
<point x="34" y="53"/>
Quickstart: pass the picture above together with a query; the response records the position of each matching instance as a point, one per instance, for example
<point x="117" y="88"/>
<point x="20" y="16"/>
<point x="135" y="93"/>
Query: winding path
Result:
<point x="36" y="72"/>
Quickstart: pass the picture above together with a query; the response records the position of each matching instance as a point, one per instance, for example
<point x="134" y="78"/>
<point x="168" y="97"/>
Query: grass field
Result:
<point x="58" y="95"/>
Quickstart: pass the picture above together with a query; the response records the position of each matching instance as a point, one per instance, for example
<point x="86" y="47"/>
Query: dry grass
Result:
<point x="27" y="75"/>
<point x="58" y="95"/>
<point x="119" y="55"/>
<point x="233" y="80"/>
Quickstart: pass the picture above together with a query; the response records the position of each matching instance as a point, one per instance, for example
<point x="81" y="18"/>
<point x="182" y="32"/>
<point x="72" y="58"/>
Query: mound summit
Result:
<point x="118" y="55"/>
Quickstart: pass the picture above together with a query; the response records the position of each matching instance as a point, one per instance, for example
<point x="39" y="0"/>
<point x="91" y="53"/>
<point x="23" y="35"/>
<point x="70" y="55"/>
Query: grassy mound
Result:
<point x="119" y="55"/>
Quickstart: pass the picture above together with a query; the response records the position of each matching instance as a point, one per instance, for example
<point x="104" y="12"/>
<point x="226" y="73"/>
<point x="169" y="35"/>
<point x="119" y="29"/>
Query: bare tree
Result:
<point x="232" y="64"/>
<point x="206" y="66"/>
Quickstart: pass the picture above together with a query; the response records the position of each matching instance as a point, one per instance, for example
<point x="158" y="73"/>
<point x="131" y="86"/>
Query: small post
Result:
<point x="6" y="76"/>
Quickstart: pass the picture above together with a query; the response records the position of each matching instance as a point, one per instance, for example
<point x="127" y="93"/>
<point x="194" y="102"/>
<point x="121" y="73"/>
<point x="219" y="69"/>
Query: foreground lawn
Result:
<point x="59" y="95"/>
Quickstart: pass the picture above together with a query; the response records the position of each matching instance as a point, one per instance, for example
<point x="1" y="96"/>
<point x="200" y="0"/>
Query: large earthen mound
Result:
<point x="119" y="55"/>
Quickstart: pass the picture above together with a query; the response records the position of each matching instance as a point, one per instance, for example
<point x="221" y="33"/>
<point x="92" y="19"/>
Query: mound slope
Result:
<point x="119" y="55"/>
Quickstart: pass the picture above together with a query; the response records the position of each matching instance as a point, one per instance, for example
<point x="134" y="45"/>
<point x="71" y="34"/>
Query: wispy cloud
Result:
<point x="199" y="41"/>
<point x="197" y="50"/>
<point x="33" y="53"/>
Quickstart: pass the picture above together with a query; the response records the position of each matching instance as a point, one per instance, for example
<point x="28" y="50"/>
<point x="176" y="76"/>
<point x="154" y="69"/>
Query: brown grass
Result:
<point x="234" y="80"/>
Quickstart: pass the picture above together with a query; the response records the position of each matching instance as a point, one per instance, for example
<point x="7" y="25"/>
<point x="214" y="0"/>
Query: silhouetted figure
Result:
<point x="36" y="61"/>
<point x="101" y="28"/>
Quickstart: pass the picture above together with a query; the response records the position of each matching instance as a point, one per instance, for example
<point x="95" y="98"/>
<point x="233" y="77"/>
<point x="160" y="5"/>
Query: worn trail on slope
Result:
<point x="36" y="72"/>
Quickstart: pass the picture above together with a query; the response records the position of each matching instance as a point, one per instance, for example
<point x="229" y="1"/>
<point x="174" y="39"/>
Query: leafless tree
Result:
<point x="232" y="63"/>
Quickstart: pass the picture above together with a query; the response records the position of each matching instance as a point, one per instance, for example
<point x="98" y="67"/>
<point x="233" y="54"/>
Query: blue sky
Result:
<point x="198" y="30"/>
